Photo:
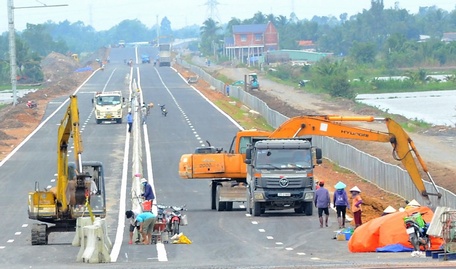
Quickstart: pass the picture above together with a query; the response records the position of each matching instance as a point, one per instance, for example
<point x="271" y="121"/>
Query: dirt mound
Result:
<point x="61" y="79"/>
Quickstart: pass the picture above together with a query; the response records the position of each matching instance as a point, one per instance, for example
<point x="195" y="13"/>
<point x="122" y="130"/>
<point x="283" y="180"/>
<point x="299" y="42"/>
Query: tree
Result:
<point x="131" y="30"/>
<point x="363" y="53"/>
<point x="229" y="26"/>
<point x="166" y="33"/>
<point x="209" y="35"/>
<point x="332" y="77"/>
<point x="40" y="40"/>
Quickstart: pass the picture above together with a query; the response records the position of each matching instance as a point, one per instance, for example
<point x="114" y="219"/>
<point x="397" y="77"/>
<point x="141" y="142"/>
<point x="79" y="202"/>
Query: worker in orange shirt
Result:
<point x="356" y="205"/>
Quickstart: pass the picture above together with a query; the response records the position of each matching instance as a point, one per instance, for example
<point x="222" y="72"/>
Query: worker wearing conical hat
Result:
<point x="341" y="203"/>
<point x="356" y="205"/>
<point x="412" y="204"/>
<point x="389" y="210"/>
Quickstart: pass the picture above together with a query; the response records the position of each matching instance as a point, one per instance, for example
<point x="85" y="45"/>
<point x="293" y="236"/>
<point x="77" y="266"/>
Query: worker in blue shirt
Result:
<point x="146" y="221"/>
<point x="129" y="121"/>
<point x="148" y="192"/>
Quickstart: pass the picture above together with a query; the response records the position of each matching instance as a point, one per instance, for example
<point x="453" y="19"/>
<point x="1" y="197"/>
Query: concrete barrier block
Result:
<point x="80" y="223"/>
<point x="104" y="226"/>
<point x="89" y="255"/>
<point x="95" y="250"/>
<point x="254" y="114"/>
<point x="245" y="108"/>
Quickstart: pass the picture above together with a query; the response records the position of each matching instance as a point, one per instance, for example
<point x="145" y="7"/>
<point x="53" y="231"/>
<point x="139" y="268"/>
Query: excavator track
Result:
<point x="39" y="234"/>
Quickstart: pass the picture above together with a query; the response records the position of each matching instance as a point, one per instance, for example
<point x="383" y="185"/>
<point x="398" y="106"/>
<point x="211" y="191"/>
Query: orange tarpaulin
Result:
<point x="388" y="230"/>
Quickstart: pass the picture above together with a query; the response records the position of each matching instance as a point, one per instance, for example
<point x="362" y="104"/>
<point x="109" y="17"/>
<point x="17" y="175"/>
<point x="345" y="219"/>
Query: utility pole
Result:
<point x="12" y="50"/>
<point x="158" y="31"/>
<point x="12" y="44"/>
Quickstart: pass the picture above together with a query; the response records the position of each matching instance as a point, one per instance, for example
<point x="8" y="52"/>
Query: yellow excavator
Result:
<point x="79" y="189"/>
<point x="240" y="175"/>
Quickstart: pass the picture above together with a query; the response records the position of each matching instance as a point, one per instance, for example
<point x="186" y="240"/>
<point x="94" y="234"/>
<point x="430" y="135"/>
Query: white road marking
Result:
<point x="17" y="233"/>
<point x="261" y="230"/>
<point x="255" y="222"/>
<point x="24" y="225"/>
<point x="161" y="251"/>
<point x="10" y="241"/>
<point x="270" y="237"/>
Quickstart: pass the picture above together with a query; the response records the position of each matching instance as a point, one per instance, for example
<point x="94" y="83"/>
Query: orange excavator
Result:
<point x="243" y="175"/>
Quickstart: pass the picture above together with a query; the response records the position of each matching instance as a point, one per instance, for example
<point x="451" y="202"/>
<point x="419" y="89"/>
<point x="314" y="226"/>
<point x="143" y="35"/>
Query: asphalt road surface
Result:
<point x="234" y="239"/>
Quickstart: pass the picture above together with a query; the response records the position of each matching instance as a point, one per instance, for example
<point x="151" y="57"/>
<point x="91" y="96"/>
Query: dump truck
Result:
<point x="241" y="174"/>
<point x="164" y="54"/>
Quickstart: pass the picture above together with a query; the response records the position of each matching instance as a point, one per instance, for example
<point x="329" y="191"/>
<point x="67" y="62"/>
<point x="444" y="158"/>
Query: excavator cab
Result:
<point x="252" y="81"/>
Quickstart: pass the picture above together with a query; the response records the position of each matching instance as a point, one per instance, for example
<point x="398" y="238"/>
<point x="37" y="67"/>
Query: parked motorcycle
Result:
<point x="163" y="110"/>
<point x="31" y="104"/>
<point x="174" y="218"/>
<point x="302" y="83"/>
<point x="416" y="228"/>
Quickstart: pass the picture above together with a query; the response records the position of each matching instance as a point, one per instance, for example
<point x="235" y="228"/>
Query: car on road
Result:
<point x="145" y="59"/>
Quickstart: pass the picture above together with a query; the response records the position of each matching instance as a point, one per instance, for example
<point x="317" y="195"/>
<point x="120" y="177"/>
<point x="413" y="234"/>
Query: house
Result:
<point x="449" y="37"/>
<point x="250" y="41"/>
<point x="306" y="45"/>
<point x="295" y="57"/>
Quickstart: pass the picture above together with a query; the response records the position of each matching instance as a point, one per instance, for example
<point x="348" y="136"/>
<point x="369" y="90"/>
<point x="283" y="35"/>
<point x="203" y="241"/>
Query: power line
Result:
<point x="212" y="10"/>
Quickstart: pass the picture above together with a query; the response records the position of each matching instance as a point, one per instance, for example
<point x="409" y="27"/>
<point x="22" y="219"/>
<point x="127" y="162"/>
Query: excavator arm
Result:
<point x="404" y="149"/>
<point x="69" y="128"/>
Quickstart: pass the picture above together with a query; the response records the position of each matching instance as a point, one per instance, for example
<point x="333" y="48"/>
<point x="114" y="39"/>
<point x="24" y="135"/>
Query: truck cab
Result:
<point x="108" y="106"/>
<point x="280" y="176"/>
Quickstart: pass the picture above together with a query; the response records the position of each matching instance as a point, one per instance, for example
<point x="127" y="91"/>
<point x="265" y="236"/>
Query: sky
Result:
<point x="104" y="14"/>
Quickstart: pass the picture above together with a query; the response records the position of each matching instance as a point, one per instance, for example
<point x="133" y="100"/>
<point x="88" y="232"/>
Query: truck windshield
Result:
<point x="108" y="100"/>
<point x="283" y="158"/>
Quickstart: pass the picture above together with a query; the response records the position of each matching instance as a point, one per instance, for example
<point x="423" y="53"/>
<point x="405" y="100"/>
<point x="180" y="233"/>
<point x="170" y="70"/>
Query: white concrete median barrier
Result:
<point x="95" y="245"/>
<point x="80" y="223"/>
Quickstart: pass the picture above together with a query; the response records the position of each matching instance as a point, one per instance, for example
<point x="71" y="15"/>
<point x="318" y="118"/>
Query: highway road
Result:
<point x="220" y="239"/>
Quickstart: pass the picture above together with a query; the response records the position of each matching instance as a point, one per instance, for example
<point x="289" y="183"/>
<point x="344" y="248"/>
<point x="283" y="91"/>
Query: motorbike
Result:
<point x="163" y="110"/>
<point x="174" y="218"/>
<point x="31" y="104"/>
<point x="302" y="83"/>
<point x="416" y="228"/>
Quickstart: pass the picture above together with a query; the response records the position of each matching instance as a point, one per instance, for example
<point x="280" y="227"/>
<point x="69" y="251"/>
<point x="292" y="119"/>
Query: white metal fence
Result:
<point x="387" y="176"/>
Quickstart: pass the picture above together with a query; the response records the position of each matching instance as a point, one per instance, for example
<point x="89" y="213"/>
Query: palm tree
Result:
<point x="210" y="34"/>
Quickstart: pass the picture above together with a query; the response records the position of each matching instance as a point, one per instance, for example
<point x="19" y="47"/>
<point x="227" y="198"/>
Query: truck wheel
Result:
<point x="308" y="208"/>
<point x="300" y="209"/>
<point x="256" y="209"/>
<point x="221" y="206"/>
<point x="119" y="121"/>
<point x="229" y="206"/>
<point x="98" y="121"/>
<point x="213" y="194"/>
